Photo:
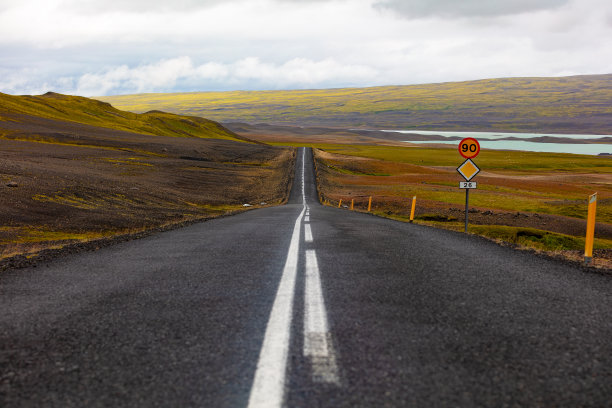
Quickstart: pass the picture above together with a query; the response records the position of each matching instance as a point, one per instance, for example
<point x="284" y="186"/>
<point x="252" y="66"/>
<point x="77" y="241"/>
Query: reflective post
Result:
<point x="590" y="232"/>
<point x="413" y="207"/>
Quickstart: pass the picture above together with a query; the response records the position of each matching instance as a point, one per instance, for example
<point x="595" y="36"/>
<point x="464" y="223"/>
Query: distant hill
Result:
<point x="75" y="170"/>
<point x="578" y="104"/>
<point x="92" y="112"/>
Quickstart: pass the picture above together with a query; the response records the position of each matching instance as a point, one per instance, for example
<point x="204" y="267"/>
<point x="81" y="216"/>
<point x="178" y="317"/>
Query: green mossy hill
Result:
<point x="578" y="104"/>
<point x="96" y="113"/>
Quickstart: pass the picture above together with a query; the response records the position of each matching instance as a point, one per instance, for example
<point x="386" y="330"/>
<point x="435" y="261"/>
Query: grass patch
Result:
<point x="509" y="104"/>
<point x="49" y="140"/>
<point x="129" y="161"/>
<point x="548" y="189"/>
<point x="216" y="208"/>
<point x="355" y="172"/>
<point x="248" y="164"/>
<point x="436" y="217"/>
<point x="92" y="112"/>
<point x="96" y="200"/>
<point x="516" y="161"/>
<point x="535" y="238"/>
<point x="28" y="235"/>
<point x="522" y="236"/>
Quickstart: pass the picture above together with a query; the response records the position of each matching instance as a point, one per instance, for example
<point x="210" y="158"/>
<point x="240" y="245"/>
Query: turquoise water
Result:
<point x="533" y="146"/>
<point x="490" y="140"/>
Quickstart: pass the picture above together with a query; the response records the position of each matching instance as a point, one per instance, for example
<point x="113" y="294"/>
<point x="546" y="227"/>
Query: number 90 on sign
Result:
<point x="469" y="148"/>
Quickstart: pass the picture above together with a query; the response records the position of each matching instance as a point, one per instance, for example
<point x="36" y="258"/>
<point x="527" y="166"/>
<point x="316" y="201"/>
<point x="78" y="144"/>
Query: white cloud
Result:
<point x="164" y="75"/>
<point x="94" y="47"/>
<point x="10" y="81"/>
<point x="146" y="78"/>
<point x="139" y="6"/>
<point x="466" y="8"/>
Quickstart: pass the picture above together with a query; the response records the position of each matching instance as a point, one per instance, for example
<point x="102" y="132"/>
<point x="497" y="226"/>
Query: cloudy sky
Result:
<point x="105" y="47"/>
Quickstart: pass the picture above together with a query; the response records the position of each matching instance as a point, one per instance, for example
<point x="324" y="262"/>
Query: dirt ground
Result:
<point x="64" y="182"/>
<point x="267" y="133"/>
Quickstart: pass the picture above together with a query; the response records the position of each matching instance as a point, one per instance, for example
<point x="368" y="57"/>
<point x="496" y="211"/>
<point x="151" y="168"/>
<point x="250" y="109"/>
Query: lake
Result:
<point x="498" y="141"/>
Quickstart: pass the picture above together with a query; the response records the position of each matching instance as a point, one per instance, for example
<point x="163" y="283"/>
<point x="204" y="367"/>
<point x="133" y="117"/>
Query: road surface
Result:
<point x="305" y="306"/>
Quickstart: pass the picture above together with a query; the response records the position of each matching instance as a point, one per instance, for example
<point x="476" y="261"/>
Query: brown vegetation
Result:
<point x="393" y="184"/>
<point x="576" y="104"/>
<point x="64" y="182"/>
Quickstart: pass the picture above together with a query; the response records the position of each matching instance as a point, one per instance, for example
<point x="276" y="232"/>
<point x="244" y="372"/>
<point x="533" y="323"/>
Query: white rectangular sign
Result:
<point x="467" y="184"/>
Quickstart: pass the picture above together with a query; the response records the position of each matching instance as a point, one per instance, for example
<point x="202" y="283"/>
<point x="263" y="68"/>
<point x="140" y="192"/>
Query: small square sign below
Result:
<point x="468" y="169"/>
<point x="467" y="184"/>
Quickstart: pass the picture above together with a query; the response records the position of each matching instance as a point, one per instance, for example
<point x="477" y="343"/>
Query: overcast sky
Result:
<point x="105" y="47"/>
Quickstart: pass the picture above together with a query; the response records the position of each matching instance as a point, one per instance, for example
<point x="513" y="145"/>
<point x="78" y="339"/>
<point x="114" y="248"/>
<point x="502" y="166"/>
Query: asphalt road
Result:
<point x="305" y="306"/>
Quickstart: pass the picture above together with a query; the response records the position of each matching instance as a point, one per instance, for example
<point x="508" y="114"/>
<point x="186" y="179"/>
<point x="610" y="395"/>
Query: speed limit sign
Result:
<point x="469" y="148"/>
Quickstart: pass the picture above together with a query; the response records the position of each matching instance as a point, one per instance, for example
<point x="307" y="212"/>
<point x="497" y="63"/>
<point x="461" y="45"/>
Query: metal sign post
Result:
<point x="467" y="206"/>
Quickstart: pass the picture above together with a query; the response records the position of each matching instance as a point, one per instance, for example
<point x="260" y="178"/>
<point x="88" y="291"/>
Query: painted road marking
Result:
<point x="268" y="388"/>
<point x="307" y="218"/>
<point x="303" y="181"/>
<point x="307" y="233"/>
<point x="317" y="338"/>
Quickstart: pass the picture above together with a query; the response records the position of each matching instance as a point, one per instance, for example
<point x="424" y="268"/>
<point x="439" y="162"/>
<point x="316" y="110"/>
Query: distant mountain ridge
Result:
<point x="576" y="104"/>
<point x="96" y="113"/>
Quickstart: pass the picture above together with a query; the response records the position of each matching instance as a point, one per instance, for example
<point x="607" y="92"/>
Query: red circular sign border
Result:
<point x="477" y="151"/>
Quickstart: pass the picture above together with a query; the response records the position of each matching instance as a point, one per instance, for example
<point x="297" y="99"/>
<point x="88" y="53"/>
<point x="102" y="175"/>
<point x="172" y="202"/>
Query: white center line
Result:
<point x="268" y="388"/>
<point x="307" y="233"/>
<point x="317" y="338"/>
<point x="303" y="181"/>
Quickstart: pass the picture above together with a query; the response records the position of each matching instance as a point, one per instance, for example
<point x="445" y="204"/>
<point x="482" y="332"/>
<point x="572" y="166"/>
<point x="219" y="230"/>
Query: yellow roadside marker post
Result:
<point x="590" y="232"/>
<point x="370" y="204"/>
<point x="412" y="210"/>
<point x="352" y="203"/>
<point x="339" y="203"/>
